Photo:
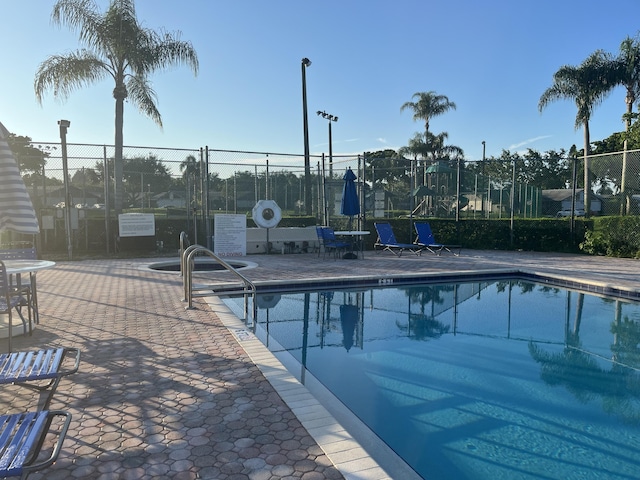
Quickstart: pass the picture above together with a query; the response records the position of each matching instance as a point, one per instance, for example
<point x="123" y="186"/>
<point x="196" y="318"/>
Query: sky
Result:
<point x="493" y="59"/>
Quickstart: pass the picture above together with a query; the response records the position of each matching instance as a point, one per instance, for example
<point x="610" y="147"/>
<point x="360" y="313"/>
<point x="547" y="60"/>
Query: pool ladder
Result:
<point x="187" y="262"/>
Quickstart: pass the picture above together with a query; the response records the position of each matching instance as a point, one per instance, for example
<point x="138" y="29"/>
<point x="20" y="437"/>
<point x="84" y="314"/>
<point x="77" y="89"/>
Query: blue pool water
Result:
<point x="482" y="380"/>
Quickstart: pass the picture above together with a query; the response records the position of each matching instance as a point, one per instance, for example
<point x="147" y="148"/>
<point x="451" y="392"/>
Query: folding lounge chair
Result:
<point x="387" y="241"/>
<point x="22" y="436"/>
<point x="31" y="369"/>
<point x="428" y="242"/>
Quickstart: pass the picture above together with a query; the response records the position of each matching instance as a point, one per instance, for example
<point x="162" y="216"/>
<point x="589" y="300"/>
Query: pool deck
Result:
<point x="166" y="392"/>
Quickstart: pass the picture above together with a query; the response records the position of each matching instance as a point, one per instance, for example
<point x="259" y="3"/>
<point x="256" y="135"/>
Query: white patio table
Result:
<point x="18" y="267"/>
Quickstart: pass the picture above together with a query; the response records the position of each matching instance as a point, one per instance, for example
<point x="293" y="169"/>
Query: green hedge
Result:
<point x="544" y="235"/>
<point x="611" y="236"/>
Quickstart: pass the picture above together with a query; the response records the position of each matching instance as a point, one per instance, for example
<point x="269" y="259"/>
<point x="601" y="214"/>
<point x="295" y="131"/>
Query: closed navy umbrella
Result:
<point x="350" y="205"/>
<point x="348" y="319"/>
<point x="16" y="209"/>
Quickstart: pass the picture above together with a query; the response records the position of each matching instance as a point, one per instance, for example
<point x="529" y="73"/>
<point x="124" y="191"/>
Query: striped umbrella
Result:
<point x="16" y="209"/>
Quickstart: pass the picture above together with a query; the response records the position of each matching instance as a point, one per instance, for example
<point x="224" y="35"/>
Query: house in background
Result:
<point x="54" y="196"/>
<point x="172" y="198"/>
<point x="559" y="199"/>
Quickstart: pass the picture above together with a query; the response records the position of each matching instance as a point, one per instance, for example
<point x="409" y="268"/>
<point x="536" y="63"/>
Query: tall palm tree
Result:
<point x="627" y="74"/>
<point x="116" y="47"/>
<point x="190" y="166"/>
<point x="427" y="106"/>
<point x="587" y="85"/>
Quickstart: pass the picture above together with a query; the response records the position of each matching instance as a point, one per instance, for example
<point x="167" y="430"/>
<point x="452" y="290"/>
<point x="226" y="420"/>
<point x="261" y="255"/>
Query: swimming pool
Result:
<point x="491" y="379"/>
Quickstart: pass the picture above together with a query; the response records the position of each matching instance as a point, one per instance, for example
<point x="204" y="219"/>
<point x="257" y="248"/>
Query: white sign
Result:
<point x="230" y="235"/>
<point x="137" y="224"/>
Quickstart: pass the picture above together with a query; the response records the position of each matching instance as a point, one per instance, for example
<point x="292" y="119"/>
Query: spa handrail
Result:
<point x="184" y="244"/>
<point x="188" y="262"/>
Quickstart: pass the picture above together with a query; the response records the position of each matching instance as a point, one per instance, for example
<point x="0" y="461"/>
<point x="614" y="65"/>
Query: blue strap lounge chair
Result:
<point x="387" y="241"/>
<point x="40" y="369"/>
<point x="22" y="436"/>
<point x="428" y="242"/>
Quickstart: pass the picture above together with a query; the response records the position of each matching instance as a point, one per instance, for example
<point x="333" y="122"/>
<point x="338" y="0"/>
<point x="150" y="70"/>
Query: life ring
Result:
<point x="266" y="214"/>
<point x="266" y="301"/>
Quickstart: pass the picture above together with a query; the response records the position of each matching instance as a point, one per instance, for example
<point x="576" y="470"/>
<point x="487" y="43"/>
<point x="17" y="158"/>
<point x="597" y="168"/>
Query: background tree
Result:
<point x="116" y="47"/>
<point x="587" y="85"/>
<point x="30" y="159"/>
<point x="143" y="175"/>
<point x="190" y="167"/>
<point x="86" y="177"/>
<point x="428" y="105"/>
<point x="627" y="74"/>
<point x="615" y="142"/>
<point x="387" y="168"/>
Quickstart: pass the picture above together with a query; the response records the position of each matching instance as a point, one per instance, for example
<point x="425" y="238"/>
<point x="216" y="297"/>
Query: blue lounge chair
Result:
<point x="428" y="242"/>
<point x="22" y="437"/>
<point x="387" y="241"/>
<point x="40" y="369"/>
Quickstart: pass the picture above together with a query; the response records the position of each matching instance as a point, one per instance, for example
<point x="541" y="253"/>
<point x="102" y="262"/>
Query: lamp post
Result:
<point x="484" y="145"/>
<point x="305" y="124"/>
<point x="64" y="124"/>
<point x="331" y="118"/>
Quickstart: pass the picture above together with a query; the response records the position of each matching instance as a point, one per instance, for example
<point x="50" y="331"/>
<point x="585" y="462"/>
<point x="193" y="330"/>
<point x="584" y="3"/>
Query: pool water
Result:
<point x="485" y="380"/>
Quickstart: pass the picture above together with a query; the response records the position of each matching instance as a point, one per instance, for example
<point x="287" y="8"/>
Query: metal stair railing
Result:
<point x="187" y="263"/>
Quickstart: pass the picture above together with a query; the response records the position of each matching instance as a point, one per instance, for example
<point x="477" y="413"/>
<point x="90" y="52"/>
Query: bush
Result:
<point x="613" y="237"/>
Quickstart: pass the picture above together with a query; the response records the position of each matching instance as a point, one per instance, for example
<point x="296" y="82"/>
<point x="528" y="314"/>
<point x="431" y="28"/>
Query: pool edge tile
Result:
<point x="344" y="451"/>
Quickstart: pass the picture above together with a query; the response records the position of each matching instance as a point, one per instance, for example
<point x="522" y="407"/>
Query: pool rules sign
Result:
<point x="230" y="235"/>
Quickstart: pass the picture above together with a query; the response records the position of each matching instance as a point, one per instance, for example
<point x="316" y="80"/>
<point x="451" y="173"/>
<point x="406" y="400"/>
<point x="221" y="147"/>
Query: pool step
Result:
<point x="216" y="290"/>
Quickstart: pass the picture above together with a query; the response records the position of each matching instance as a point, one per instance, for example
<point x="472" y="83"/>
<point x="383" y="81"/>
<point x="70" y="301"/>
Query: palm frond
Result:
<point x="144" y="97"/>
<point x="65" y="73"/>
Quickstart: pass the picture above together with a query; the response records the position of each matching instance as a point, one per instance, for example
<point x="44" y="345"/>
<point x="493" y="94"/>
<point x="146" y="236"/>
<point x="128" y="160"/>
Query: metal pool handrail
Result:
<point x="188" y="261"/>
<point x="184" y="244"/>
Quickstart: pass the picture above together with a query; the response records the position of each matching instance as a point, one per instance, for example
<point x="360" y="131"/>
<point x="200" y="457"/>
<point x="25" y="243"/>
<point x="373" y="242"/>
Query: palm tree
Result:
<point x="190" y="166"/>
<point x="427" y="106"/>
<point x="587" y="85"/>
<point x="627" y="74"/>
<point x="439" y="150"/>
<point x="117" y="47"/>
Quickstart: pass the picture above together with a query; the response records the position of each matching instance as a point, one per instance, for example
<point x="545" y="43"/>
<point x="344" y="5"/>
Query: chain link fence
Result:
<point x="189" y="186"/>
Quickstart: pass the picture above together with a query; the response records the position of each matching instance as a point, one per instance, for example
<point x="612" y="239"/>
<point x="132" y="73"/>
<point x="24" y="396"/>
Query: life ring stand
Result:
<point x="266" y="214"/>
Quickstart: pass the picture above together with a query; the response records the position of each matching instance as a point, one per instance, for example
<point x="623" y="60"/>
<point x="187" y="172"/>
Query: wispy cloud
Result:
<point x="515" y="146"/>
<point x="382" y="140"/>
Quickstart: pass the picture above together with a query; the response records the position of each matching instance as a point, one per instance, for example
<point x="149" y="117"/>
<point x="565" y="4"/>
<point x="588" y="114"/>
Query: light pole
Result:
<point x="331" y="118"/>
<point x="64" y="124"/>
<point x="484" y="145"/>
<point x="305" y="124"/>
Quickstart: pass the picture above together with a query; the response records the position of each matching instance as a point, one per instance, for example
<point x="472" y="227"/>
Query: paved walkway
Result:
<point x="165" y="392"/>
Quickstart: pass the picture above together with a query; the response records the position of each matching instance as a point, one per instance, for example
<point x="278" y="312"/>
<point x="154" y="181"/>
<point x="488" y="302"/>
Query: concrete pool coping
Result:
<point x="353" y="448"/>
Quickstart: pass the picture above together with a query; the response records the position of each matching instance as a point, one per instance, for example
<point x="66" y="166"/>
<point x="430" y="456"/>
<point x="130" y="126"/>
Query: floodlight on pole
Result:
<point x="331" y="118"/>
